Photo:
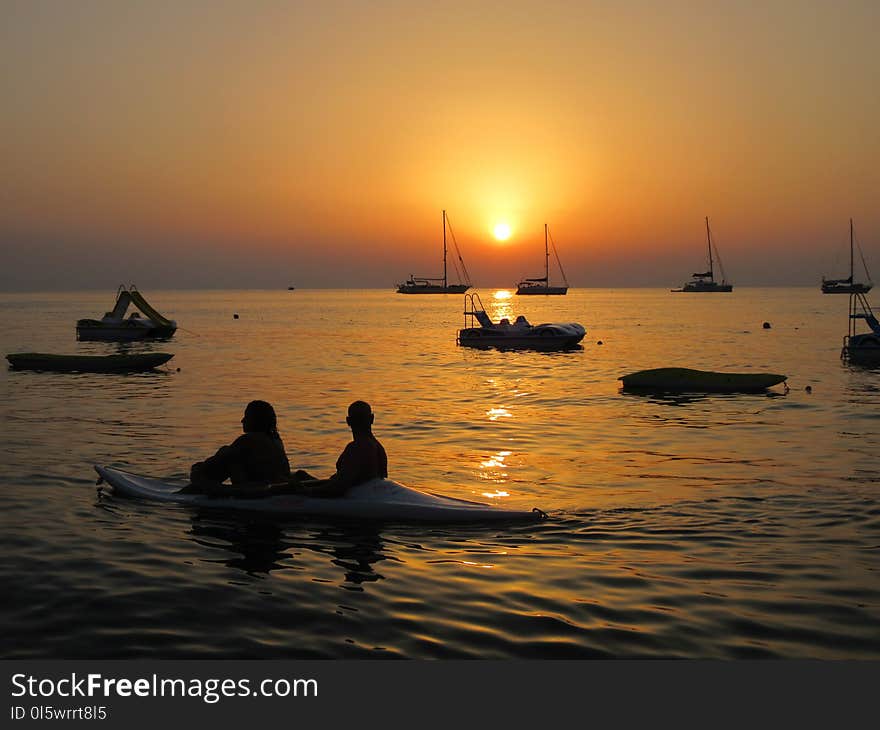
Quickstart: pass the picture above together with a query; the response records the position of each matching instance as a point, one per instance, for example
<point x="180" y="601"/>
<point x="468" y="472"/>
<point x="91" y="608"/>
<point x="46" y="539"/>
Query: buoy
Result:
<point x="809" y="389"/>
<point x="598" y="342"/>
<point x="235" y="316"/>
<point x="178" y="369"/>
<point x="766" y="325"/>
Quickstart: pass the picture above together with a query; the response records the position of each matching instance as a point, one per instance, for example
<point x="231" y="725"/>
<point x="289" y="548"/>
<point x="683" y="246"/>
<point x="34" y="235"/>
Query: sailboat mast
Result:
<point x="546" y="258"/>
<point x="709" y="244"/>
<point x="444" y="249"/>
<point x="850" y="251"/>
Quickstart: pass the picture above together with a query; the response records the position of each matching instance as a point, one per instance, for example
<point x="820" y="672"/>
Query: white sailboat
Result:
<point x="541" y="285"/>
<point x="705" y="282"/>
<point x="426" y="285"/>
<point x="848" y="285"/>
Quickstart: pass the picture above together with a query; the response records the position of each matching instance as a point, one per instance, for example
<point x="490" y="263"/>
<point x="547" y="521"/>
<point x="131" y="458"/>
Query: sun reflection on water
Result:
<point x="493" y="469"/>
<point x="495" y="461"/>
<point x="496" y="413"/>
<point x="502" y="305"/>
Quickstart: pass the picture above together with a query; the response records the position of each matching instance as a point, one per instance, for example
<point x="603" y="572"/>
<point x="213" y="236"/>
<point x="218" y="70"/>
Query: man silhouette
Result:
<point x="363" y="459"/>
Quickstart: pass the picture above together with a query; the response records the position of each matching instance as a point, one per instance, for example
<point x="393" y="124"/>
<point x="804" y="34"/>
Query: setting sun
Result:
<point x="502" y="231"/>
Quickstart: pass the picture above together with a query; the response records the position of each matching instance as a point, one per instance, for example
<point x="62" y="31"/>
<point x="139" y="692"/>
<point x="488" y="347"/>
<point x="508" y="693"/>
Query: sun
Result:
<point x="501" y="231"/>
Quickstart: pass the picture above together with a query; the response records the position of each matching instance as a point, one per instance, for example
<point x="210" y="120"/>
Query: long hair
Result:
<point x="262" y="415"/>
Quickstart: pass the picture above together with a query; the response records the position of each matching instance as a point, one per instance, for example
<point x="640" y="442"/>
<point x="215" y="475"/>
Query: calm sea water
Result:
<point x="719" y="526"/>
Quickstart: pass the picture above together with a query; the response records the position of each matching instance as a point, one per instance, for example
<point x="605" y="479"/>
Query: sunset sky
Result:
<point x="261" y="144"/>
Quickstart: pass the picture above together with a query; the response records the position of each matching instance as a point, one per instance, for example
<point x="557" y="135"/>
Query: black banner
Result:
<point x="406" y="694"/>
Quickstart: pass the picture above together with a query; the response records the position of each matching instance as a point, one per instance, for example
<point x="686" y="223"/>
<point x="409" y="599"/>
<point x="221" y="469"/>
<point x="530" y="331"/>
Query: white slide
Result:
<point x="377" y="499"/>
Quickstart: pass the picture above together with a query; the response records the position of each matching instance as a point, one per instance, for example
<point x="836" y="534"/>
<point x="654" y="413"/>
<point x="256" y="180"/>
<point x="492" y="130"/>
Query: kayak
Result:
<point x="377" y="499"/>
<point x="684" y="380"/>
<point x="87" y="363"/>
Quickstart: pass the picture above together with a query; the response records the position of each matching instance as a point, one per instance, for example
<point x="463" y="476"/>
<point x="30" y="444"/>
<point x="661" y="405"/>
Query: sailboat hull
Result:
<point x="542" y="290"/>
<point x="829" y="288"/>
<point x="705" y="287"/>
<point x="432" y="289"/>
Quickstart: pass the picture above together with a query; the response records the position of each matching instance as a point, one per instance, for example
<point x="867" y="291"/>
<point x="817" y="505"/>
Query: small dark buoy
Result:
<point x="809" y="389"/>
<point x="235" y="316"/>
<point x="598" y="342"/>
<point x="766" y="325"/>
<point x="178" y="369"/>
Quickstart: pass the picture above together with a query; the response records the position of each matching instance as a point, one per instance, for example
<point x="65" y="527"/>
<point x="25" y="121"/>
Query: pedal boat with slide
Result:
<point x="146" y="323"/>
<point x="861" y="348"/>
<point x="520" y="335"/>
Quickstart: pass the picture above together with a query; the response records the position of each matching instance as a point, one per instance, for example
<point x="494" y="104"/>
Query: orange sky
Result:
<point x="261" y="144"/>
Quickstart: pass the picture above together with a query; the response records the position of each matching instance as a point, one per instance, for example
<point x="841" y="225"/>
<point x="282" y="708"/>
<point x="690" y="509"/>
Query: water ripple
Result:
<point x="685" y="526"/>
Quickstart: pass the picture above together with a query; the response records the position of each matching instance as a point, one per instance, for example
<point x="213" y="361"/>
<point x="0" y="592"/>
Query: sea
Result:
<point x="698" y="526"/>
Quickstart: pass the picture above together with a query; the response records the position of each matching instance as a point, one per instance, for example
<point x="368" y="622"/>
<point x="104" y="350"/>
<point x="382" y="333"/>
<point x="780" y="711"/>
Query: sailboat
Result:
<point x="424" y="285"/>
<point x="848" y="286"/>
<point x="542" y="285"/>
<point x="705" y="282"/>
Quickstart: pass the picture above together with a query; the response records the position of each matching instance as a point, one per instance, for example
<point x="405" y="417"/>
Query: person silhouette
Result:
<point x="254" y="460"/>
<point x="364" y="458"/>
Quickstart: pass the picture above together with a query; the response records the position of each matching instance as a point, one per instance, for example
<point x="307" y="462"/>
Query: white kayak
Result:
<point x="377" y="499"/>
